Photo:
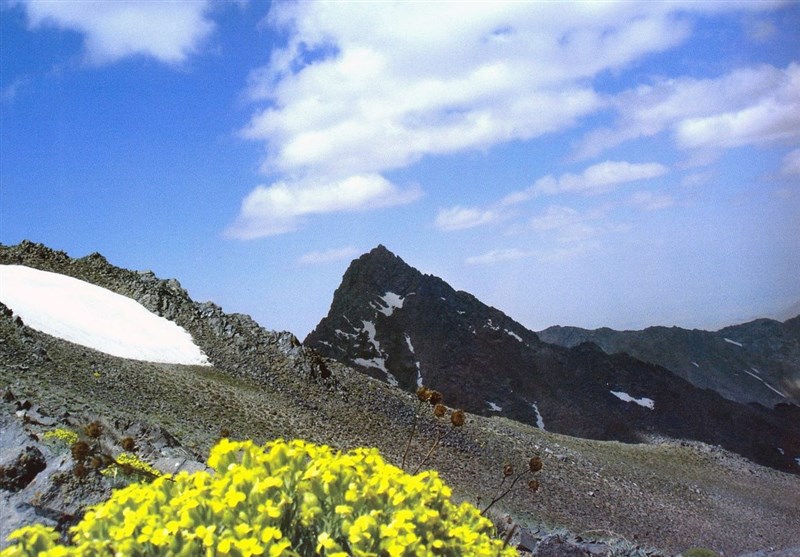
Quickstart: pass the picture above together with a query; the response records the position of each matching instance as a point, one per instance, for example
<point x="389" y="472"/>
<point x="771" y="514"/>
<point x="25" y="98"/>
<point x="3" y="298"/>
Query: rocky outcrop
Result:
<point x="757" y="361"/>
<point x="233" y="342"/>
<point x="394" y="323"/>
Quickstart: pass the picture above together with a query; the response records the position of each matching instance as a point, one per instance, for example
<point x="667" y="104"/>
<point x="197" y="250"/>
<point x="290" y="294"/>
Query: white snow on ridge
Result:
<point x="695" y="364"/>
<point x="646" y="402"/>
<point x="739" y="344"/>
<point x="513" y="334"/>
<point x="494" y="407"/>
<point x="539" y="419"/>
<point x="95" y="317"/>
<point x="767" y="385"/>
<point x="378" y="363"/>
<point x="416" y="362"/>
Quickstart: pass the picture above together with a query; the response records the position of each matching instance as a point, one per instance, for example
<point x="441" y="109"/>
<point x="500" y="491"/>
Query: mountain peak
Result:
<point x="394" y="323"/>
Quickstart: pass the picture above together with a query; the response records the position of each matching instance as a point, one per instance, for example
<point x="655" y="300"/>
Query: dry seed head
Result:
<point x="457" y="418"/>
<point x="535" y="464"/>
<point x="435" y="398"/>
<point x="508" y="470"/>
<point x="80" y="450"/>
<point x="439" y="410"/>
<point x="423" y="393"/>
<point x="93" y="430"/>
<point x="533" y="485"/>
<point x="80" y="471"/>
<point x="128" y="444"/>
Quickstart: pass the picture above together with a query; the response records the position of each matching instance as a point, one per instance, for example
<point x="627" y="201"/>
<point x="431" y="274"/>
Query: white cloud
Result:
<point x="328" y="256"/>
<point x="364" y="88"/>
<point x="791" y="163"/>
<point x="567" y="225"/>
<point x="556" y="216"/>
<point x="278" y="208"/>
<point x="10" y="91"/>
<point x="166" y="31"/>
<point x="459" y="218"/>
<point x="747" y="106"/>
<point x="499" y="255"/>
<point x="596" y="179"/>
<point x="651" y="201"/>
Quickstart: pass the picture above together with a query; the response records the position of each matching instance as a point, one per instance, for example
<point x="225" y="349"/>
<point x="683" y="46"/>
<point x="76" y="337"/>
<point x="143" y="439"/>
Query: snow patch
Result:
<point x="754" y="369"/>
<point x="780" y="450"/>
<point x="416" y="362"/>
<point x="378" y="363"/>
<point x="767" y="385"/>
<point x="408" y="343"/>
<point x="646" y="402"/>
<point x="494" y="407"/>
<point x="539" y="419"/>
<point x="513" y="334"/>
<point x="491" y="325"/>
<point x="391" y="302"/>
<point x="695" y="364"/>
<point x="369" y="328"/>
<point x="797" y="460"/>
<point x="739" y="344"/>
<point x="95" y="317"/>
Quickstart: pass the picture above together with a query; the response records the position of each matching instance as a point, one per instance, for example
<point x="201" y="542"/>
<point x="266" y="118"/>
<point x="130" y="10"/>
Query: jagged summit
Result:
<point x="394" y="323"/>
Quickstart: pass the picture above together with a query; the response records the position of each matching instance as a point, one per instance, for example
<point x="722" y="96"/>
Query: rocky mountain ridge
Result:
<point x="758" y="361"/>
<point x="263" y="385"/>
<point x="396" y="324"/>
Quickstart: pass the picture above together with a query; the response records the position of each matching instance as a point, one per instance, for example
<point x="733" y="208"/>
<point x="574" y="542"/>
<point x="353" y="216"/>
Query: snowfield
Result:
<point x="94" y="317"/>
<point x="625" y="397"/>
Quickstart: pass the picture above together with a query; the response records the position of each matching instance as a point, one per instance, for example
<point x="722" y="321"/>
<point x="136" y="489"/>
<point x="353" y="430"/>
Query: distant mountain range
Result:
<point x="757" y="361"/>
<point x="396" y="324"/>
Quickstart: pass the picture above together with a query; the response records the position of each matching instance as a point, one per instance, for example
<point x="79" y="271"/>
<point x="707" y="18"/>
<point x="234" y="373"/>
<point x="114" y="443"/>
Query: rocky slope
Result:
<point x="668" y="494"/>
<point x="396" y="324"/>
<point x="757" y="361"/>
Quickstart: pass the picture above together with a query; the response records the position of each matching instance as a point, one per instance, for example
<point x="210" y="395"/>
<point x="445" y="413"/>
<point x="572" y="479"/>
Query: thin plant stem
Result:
<point x="410" y="437"/>
<point x="433" y="448"/>
<point x="504" y="493"/>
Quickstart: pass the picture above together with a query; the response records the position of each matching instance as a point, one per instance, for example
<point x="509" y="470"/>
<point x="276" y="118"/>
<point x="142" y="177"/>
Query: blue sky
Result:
<point x="592" y="164"/>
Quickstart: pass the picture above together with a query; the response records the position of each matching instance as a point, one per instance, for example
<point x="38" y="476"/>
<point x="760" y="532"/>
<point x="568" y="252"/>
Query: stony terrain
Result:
<point x="757" y="361"/>
<point x="668" y="494"/>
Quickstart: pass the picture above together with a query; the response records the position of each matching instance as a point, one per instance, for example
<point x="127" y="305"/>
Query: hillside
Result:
<point x="262" y="385"/>
<point x="757" y="361"/>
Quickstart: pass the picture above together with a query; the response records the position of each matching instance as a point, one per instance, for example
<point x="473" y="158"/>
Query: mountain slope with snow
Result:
<point x="482" y="360"/>
<point x="758" y="361"/>
<point x="80" y="312"/>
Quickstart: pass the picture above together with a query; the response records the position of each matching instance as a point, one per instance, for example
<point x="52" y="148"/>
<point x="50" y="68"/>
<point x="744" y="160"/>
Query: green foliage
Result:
<point x="282" y="499"/>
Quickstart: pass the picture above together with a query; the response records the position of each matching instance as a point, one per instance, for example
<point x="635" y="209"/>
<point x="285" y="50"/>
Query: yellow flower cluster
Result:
<point x="61" y="435"/>
<point x="133" y="462"/>
<point x="283" y="499"/>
